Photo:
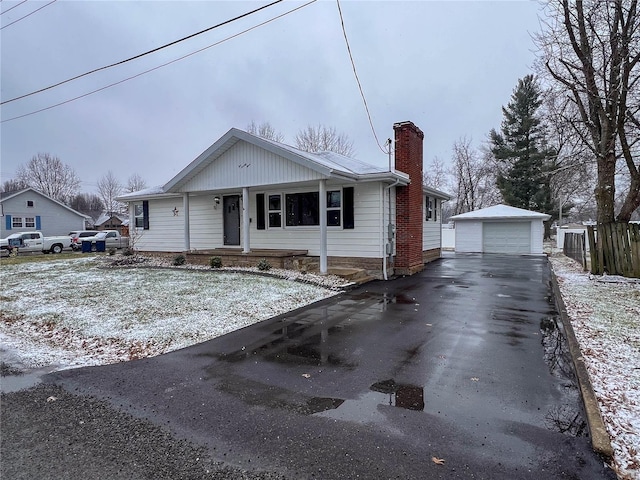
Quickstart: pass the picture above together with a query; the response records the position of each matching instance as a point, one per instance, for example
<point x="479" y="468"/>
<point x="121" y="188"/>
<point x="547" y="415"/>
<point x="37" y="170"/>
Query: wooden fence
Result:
<point x="615" y="249"/>
<point x="575" y="247"/>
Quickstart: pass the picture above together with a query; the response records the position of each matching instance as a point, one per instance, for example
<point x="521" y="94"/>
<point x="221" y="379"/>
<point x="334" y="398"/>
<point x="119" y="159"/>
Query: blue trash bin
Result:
<point x="101" y="245"/>
<point x="86" y="246"/>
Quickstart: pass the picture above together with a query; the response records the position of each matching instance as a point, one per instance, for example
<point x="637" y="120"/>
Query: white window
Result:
<point x="275" y="211"/>
<point x="30" y="222"/>
<point x="30" y="203"/>
<point x="138" y="213"/>
<point x="428" y="208"/>
<point x="334" y="208"/>
<point x="16" y="222"/>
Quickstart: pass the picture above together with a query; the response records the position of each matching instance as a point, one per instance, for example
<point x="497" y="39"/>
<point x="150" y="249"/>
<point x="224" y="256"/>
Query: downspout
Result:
<point x="389" y="225"/>
<point x="388" y="246"/>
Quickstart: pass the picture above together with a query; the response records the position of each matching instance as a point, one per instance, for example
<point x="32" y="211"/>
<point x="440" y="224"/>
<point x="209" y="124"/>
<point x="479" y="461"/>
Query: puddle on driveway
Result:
<point x="19" y="381"/>
<point x="365" y="409"/>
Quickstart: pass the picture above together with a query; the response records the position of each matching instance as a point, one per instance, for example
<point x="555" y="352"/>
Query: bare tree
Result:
<point x="322" y="139"/>
<point x="13" y="186"/>
<point x="135" y="183"/>
<point x="47" y="174"/>
<point x="87" y="203"/>
<point x="474" y="178"/>
<point x="108" y="189"/>
<point x="590" y="52"/>
<point x="572" y="175"/>
<point x="265" y="130"/>
<point x="436" y="175"/>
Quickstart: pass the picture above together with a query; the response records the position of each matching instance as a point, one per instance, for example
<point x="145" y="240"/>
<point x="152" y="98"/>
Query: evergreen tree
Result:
<point x="522" y="152"/>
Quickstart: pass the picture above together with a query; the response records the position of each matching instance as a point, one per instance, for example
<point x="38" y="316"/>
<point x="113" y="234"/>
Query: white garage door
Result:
<point x="506" y="237"/>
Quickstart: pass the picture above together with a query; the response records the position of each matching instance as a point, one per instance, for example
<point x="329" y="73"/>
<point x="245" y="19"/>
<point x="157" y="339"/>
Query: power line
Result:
<point x="346" y="40"/>
<point x="142" y="54"/>
<point x="28" y="14"/>
<point x="160" y="66"/>
<point x="11" y="8"/>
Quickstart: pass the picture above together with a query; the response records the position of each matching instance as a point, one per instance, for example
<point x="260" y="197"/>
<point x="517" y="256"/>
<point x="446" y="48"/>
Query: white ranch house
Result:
<point x="246" y="197"/>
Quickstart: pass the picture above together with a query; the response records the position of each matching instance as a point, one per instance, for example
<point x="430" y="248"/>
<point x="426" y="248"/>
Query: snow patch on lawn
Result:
<point x="605" y="314"/>
<point x="71" y="313"/>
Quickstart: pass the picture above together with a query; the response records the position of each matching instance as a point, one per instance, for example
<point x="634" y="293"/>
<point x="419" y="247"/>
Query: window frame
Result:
<point x="29" y="222"/>
<point x="30" y="203"/>
<point x="335" y="209"/>
<point x="16" y="222"/>
<point x="314" y="208"/>
<point x="274" y="211"/>
<point x="428" y="208"/>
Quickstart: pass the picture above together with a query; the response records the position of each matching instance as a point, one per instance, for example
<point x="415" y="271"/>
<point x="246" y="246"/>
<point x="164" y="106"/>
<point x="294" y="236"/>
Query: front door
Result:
<point x="231" y="205"/>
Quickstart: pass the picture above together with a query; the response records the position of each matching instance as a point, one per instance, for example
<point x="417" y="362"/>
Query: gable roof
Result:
<point x="9" y="195"/>
<point x="501" y="212"/>
<point x="329" y="164"/>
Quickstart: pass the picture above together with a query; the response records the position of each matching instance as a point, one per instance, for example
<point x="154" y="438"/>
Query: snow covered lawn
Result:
<point x="605" y="314"/>
<point x="70" y="313"/>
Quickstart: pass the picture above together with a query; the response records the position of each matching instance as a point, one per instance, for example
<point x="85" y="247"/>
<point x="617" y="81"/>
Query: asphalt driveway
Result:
<point x="457" y="372"/>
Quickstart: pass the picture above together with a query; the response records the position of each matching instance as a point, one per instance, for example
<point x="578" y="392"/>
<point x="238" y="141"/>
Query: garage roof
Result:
<point x="501" y="212"/>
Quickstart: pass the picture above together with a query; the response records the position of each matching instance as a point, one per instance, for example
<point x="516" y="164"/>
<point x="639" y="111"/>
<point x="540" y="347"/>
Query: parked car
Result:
<point x="34" y="242"/>
<point x="78" y="235"/>
<point x="112" y="239"/>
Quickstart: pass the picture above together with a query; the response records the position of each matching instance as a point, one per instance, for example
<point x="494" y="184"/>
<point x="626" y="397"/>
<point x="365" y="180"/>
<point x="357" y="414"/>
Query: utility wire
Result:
<point x="11" y="8"/>
<point x="159" y="66"/>
<point x="28" y="14"/>
<point x="346" y="40"/>
<point x="135" y="57"/>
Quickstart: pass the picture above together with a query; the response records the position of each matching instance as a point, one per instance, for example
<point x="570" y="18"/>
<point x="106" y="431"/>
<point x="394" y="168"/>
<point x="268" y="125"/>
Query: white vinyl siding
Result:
<point x="248" y="165"/>
<point x="166" y="230"/>
<point x="431" y="228"/>
<point x="205" y="223"/>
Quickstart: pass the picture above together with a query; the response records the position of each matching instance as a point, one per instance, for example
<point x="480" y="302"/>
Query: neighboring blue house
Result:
<point x="29" y="210"/>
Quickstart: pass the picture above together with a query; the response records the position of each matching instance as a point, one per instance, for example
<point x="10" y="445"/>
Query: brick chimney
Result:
<point x="408" y="153"/>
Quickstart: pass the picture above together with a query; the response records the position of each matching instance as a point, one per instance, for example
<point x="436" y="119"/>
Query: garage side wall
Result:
<point x="537" y="236"/>
<point x="469" y="236"/>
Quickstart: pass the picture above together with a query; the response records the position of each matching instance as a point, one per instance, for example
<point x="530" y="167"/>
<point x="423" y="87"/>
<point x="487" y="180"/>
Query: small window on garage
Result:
<point x="31" y="203"/>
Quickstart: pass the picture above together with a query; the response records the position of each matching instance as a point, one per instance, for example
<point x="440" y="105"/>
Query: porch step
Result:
<point x="355" y="275"/>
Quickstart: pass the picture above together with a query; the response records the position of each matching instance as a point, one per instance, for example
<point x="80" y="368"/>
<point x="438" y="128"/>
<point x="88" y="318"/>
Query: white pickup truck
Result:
<point x="112" y="239"/>
<point x="34" y="242"/>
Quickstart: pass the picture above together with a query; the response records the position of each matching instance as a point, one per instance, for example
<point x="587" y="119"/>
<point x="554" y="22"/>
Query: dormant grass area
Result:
<point x="605" y="314"/>
<point x="72" y="312"/>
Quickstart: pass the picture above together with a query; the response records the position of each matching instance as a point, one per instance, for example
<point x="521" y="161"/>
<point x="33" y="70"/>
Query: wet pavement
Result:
<point x="464" y="362"/>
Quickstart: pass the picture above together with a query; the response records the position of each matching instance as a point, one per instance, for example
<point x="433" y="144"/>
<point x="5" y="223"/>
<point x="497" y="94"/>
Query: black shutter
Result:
<point x="347" y="208"/>
<point x="260" y="216"/>
<point x="145" y="214"/>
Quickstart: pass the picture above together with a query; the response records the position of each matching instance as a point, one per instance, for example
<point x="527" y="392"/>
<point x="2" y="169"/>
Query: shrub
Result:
<point x="112" y="252"/>
<point x="264" y="265"/>
<point x="215" y="262"/>
<point x="127" y="252"/>
<point x="179" y="260"/>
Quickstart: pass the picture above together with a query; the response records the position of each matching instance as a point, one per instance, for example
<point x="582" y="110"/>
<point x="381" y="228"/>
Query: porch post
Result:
<point x="323" y="226"/>
<point x="187" y="233"/>
<point x="245" y="220"/>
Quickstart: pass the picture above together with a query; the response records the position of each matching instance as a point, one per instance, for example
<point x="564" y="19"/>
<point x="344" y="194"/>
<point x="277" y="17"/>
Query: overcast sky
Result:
<point x="447" y="66"/>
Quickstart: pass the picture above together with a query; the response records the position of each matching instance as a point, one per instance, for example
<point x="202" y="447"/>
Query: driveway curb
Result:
<point x="600" y="440"/>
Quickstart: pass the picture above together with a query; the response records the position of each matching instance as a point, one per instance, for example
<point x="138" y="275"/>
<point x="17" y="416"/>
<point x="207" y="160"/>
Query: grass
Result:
<point x="87" y="315"/>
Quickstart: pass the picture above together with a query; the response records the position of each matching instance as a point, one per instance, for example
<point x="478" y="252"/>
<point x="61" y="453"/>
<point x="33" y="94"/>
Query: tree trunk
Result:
<point x="605" y="189"/>
<point x="631" y="201"/>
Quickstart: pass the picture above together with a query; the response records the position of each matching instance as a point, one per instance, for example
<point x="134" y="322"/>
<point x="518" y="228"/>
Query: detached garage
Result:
<point x="500" y="229"/>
